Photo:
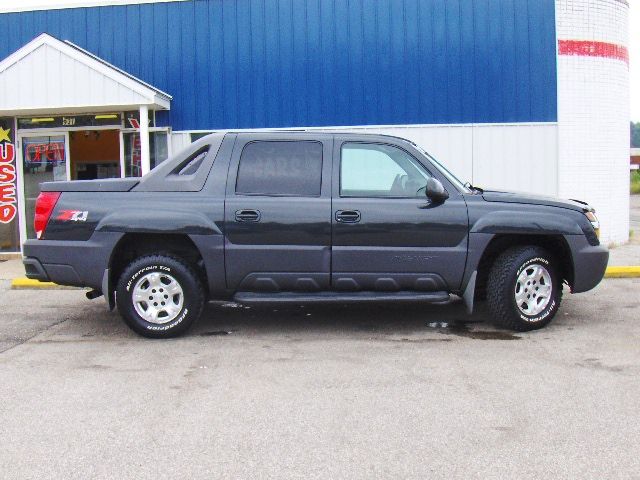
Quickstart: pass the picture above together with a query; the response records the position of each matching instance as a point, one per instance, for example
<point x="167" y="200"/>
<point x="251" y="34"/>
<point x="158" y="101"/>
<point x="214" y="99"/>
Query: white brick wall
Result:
<point x="600" y="20"/>
<point x="593" y="114"/>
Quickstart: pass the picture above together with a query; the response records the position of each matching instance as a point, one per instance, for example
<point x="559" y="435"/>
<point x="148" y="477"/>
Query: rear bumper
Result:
<point x="74" y="263"/>
<point x="35" y="270"/>
<point x="589" y="263"/>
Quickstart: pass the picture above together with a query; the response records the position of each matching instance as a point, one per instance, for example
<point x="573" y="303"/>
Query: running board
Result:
<point x="340" y="297"/>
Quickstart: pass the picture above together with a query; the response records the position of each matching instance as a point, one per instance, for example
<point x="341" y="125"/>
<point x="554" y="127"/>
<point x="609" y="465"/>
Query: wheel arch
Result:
<point x="134" y="245"/>
<point x="556" y="245"/>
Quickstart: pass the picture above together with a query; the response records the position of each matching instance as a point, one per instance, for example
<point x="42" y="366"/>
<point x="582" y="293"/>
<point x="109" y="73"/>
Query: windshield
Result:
<point x="450" y="176"/>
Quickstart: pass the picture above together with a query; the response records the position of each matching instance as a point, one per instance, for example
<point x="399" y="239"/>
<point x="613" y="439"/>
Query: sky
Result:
<point x="634" y="43"/>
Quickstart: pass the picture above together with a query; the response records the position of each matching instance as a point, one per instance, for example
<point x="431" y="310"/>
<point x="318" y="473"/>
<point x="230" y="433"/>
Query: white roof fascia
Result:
<point x="154" y="95"/>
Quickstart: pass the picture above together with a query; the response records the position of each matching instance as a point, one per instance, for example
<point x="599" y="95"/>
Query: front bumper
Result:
<point x="589" y="263"/>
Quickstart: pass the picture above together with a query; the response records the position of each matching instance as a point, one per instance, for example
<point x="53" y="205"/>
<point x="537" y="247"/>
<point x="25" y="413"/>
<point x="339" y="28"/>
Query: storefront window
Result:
<point x="44" y="160"/>
<point x="158" y="150"/>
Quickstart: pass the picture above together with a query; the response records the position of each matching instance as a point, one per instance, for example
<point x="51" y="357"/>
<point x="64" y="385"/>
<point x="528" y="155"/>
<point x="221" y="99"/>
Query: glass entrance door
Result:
<point x="44" y="159"/>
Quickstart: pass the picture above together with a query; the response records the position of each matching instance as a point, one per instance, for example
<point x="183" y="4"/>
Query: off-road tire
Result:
<point x="185" y="276"/>
<point x="501" y="286"/>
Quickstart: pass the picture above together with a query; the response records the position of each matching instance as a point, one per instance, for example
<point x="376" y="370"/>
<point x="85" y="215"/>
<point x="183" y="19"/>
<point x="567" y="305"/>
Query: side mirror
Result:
<point x="435" y="190"/>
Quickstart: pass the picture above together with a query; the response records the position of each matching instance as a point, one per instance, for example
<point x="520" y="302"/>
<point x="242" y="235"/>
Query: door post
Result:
<point x="145" y="156"/>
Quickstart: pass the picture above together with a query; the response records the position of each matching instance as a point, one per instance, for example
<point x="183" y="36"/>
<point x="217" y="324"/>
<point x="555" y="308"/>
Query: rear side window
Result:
<point x="192" y="164"/>
<point x="280" y="168"/>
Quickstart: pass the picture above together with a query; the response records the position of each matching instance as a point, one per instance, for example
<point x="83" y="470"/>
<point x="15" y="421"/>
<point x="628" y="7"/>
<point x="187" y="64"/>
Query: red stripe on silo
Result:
<point x="587" y="48"/>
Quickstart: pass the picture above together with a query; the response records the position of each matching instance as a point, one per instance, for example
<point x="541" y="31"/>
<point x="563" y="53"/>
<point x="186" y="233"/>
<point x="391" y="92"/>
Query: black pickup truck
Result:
<point x="309" y="217"/>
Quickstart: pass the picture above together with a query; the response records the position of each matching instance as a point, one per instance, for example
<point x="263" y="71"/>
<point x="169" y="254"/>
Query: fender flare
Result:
<point x="563" y="222"/>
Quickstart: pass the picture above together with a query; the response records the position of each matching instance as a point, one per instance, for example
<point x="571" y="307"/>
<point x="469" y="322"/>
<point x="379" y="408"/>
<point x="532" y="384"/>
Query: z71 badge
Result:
<point x="72" y="216"/>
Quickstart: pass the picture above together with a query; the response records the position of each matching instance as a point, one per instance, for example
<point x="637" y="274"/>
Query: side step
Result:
<point x="340" y="297"/>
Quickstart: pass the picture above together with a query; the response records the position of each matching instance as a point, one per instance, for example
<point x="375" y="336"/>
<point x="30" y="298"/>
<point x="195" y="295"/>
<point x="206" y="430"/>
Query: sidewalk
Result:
<point x="624" y="255"/>
<point x="629" y="254"/>
<point x="11" y="269"/>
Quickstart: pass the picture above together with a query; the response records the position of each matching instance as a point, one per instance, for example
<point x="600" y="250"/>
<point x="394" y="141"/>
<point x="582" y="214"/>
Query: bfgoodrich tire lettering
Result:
<point x="159" y="296"/>
<point x="518" y="268"/>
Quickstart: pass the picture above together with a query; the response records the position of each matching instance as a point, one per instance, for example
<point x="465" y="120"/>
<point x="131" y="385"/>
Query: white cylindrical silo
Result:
<point x="593" y="109"/>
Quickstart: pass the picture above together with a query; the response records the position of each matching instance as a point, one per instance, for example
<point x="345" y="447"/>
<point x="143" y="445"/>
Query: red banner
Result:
<point x="587" y="48"/>
<point x="8" y="198"/>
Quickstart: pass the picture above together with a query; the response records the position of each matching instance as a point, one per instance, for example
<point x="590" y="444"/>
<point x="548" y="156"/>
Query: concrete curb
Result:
<point x="623" y="272"/>
<point x="28" y="284"/>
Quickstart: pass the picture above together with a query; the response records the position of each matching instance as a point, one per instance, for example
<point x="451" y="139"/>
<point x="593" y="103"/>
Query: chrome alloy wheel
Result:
<point x="533" y="289"/>
<point x="158" y="298"/>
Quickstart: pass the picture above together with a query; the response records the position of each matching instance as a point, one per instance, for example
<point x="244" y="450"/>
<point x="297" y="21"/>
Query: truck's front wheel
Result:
<point x="524" y="289"/>
<point x="159" y="296"/>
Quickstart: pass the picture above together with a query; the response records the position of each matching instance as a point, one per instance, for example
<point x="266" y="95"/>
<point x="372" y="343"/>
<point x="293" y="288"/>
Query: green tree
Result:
<point x="635" y="135"/>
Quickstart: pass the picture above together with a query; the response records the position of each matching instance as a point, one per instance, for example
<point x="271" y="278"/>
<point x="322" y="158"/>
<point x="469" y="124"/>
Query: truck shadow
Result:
<point x="221" y="319"/>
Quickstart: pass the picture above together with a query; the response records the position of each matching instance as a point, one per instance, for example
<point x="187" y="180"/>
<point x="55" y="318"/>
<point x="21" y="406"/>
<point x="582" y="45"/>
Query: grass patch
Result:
<point x="635" y="182"/>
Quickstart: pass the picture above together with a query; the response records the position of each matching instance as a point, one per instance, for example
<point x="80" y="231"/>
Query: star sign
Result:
<point x="4" y="135"/>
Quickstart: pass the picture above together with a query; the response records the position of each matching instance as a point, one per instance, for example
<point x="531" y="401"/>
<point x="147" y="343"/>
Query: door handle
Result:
<point x="348" y="216"/>
<point x="248" y="216"/>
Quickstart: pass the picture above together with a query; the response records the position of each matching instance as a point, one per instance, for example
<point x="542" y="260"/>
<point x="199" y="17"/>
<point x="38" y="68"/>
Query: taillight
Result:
<point x="44" y="206"/>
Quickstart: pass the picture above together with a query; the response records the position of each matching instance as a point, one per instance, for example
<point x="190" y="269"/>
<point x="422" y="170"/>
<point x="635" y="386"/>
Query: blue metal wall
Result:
<point x="281" y="63"/>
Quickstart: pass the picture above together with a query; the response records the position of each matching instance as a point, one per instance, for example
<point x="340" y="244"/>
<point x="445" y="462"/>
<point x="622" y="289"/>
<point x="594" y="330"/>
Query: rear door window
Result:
<point x="280" y="168"/>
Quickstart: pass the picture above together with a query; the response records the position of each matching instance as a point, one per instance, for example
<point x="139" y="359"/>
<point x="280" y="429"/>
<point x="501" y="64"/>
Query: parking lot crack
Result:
<point x="35" y="335"/>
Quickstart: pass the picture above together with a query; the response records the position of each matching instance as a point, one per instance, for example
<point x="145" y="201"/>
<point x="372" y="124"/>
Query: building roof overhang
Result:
<point x="48" y="75"/>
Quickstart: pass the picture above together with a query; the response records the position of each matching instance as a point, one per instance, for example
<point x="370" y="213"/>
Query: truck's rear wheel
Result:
<point x="524" y="289"/>
<point x="159" y="296"/>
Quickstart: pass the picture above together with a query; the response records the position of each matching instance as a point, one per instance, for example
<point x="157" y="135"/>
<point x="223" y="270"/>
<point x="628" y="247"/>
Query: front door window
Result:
<point x="44" y="160"/>
<point x="377" y="170"/>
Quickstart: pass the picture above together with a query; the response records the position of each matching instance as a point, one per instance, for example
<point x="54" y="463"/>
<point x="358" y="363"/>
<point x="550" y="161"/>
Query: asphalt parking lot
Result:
<point x="331" y="392"/>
